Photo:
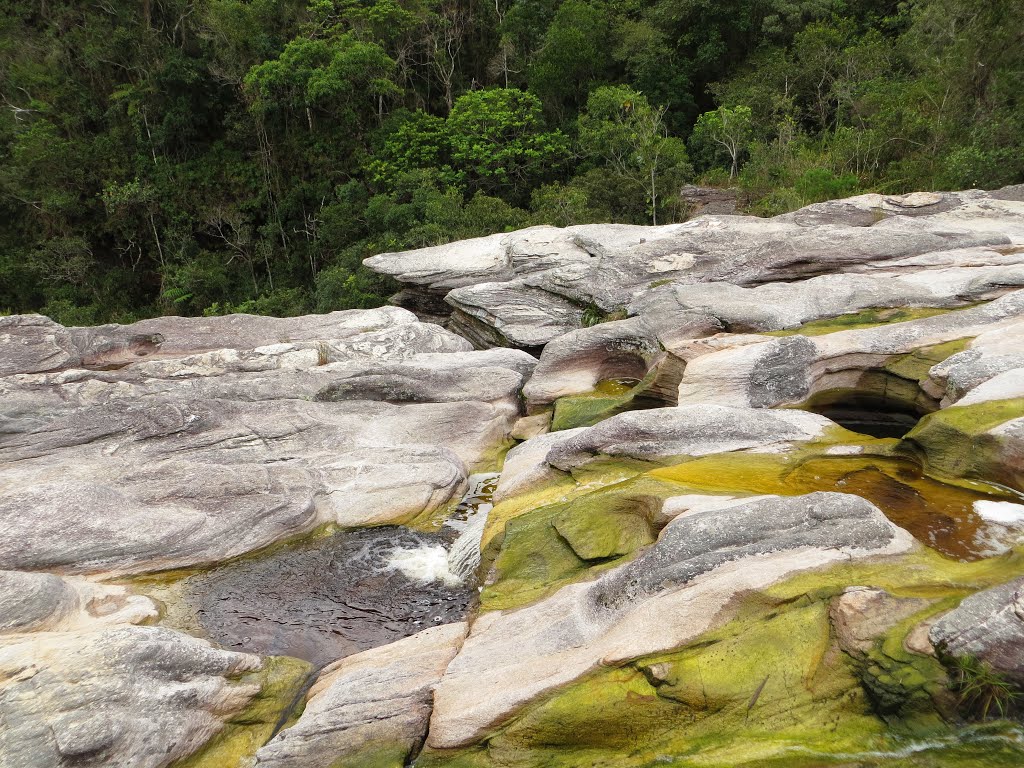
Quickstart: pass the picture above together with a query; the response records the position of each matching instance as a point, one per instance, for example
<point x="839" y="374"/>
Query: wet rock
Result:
<point x="989" y="626"/>
<point x="325" y="599"/>
<point x="374" y="706"/>
<point x="673" y="592"/>
<point x="861" y="615"/>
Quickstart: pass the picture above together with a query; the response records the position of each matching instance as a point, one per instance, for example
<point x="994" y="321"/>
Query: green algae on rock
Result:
<point x="280" y="682"/>
<point x="971" y="443"/>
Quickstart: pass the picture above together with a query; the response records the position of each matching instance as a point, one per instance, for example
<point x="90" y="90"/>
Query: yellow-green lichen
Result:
<point x="280" y="681"/>
<point x="958" y="442"/>
<point x="608" y="398"/>
<point x="866" y="318"/>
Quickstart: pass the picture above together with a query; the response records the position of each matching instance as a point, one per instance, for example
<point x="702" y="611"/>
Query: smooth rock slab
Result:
<point x="138" y="696"/>
<point x="664" y="434"/>
<point x="376" y="703"/>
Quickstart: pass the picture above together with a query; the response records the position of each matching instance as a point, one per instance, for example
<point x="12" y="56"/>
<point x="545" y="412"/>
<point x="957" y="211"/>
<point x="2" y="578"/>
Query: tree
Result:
<point x="725" y="127"/>
<point x="498" y="139"/>
<point x="621" y="128"/>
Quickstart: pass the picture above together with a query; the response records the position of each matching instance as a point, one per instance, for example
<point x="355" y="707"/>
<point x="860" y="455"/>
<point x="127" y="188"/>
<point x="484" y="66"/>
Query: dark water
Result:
<point x="324" y="599"/>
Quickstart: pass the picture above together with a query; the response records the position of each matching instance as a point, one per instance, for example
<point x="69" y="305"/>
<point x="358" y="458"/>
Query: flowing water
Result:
<point x="325" y="599"/>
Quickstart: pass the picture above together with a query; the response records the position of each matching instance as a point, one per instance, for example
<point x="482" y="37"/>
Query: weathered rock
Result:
<point x="861" y="615"/>
<point x="375" y="705"/>
<point x="33" y="343"/>
<point x="790" y="370"/>
<point x="709" y="200"/>
<point x="529" y="301"/>
<point x="34" y="602"/>
<point x="171" y="462"/>
<point x="989" y="626"/>
<point x="663" y="434"/>
<point x="140" y="696"/>
<point x="669" y="595"/>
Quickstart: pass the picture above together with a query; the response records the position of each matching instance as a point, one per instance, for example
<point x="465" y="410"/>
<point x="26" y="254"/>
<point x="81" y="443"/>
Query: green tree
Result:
<point x="622" y="129"/>
<point x="725" y="127"/>
<point x="499" y="140"/>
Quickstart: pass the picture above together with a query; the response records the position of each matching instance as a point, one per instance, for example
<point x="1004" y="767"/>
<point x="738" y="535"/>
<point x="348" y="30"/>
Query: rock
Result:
<point x="562" y="275"/>
<point x="33" y="602"/>
<point x="664" y="434"/>
<point x="669" y="595"/>
<point x="709" y="200"/>
<point x="526" y="465"/>
<point x="791" y="369"/>
<point x="180" y="461"/>
<point x="861" y="615"/>
<point x="374" y="705"/>
<point x="139" y="696"/>
<point x="32" y="343"/>
<point x="989" y="626"/>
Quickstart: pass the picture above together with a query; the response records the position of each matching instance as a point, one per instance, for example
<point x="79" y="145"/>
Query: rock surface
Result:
<point x="175" y="462"/>
<point x="378" y="701"/>
<point x="686" y="554"/>
<point x="989" y="626"/>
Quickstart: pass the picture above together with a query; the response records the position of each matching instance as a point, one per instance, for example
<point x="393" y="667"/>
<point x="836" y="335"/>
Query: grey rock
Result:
<point x="695" y="543"/>
<point x="989" y="626"/>
<point x="665" y="434"/>
<point x="378" y="701"/>
<point x="139" y="696"/>
<point x="171" y="461"/>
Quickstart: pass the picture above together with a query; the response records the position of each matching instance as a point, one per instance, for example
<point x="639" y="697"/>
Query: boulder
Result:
<point x="988" y="626"/>
<point x="374" y="705"/>
<point x="669" y="595"/>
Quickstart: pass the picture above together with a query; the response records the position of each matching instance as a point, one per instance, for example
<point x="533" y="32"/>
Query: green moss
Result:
<point x="956" y="442"/>
<point x="866" y="318"/>
<point x="608" y="398"/>
<point x="769" y="688"/>
<point x="280" y="682"/>
<point x="915" y="365"/>
<point x="376" y="755"/>
<point x="551" y="545"/>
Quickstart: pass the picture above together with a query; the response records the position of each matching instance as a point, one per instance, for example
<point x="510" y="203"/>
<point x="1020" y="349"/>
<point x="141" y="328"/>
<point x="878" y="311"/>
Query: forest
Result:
<point x="203" y="157"/>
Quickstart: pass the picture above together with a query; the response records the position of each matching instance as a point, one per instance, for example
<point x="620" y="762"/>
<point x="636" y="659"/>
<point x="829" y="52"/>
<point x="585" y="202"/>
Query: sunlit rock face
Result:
<point x="732" y="492"/>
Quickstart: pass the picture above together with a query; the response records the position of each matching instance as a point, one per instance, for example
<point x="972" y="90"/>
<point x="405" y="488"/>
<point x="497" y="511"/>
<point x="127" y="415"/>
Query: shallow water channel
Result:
<point x="328" y="598"/>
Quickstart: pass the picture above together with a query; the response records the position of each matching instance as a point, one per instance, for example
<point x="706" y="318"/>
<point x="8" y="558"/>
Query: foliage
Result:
<point x="981" y="690"/>
<point x="207" y="156"/>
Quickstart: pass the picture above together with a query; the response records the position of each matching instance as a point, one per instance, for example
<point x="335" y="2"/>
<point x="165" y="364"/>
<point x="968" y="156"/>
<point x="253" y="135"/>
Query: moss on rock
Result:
<point x="280" y="681"/>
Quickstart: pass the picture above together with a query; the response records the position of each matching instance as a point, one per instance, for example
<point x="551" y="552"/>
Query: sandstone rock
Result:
<point x="374" y="705"/>
<point x="789" y="370"/>
<point x="33" y="602"/>
<point x="669" y="595"/>
<point x="663" y="434"/>
<point x="989" y="626"/>
<point x="861" y="615"/>
<point x="139" y="696"/>
<point x="531" y="299"/>
<point x="178" y="461"/>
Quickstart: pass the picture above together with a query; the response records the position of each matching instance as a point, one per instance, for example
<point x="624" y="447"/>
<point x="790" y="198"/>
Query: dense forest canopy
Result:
<point x="212" y="156"/>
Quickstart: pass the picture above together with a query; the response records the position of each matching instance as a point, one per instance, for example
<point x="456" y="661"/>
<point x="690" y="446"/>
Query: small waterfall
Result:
<point x="470" y="518"/>
<point x="464" y="556"/>
<point x="455" y="565"/>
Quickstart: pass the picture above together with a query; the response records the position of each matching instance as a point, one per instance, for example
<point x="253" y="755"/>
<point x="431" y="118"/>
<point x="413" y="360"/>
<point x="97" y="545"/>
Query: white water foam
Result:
<point x="456" y="565"/>
<point x="424" y="564"/>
